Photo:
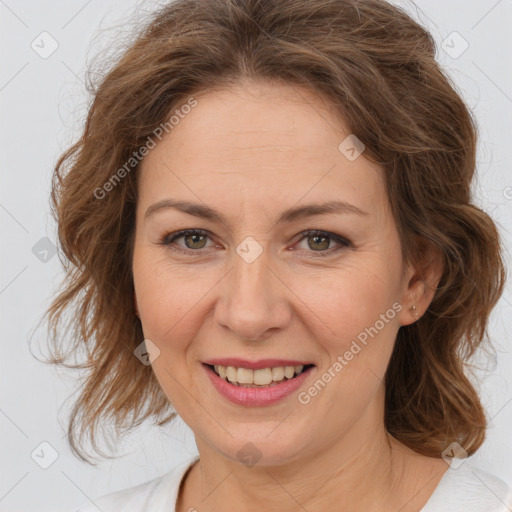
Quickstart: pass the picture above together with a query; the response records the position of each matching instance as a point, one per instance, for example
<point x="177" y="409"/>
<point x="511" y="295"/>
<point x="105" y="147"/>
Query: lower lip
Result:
<point x="256" y="397"/>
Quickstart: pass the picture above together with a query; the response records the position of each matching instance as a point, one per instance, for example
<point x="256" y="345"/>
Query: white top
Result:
<point x="464" y="489"/>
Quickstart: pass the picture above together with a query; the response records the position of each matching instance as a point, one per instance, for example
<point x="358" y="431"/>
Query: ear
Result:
<point x="420" y="282"/>
<point x="136" y="305"/>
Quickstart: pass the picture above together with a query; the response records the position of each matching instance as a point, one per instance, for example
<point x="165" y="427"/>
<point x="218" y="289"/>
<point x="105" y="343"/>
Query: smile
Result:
<point x="264" y="377"/>
<point x="257" y="387"/>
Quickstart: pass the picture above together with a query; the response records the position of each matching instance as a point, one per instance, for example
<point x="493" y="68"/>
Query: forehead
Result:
<point x="263" y="141"/>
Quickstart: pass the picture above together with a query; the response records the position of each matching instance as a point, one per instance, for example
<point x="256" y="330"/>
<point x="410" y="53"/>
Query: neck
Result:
<point x="366" y="469"/>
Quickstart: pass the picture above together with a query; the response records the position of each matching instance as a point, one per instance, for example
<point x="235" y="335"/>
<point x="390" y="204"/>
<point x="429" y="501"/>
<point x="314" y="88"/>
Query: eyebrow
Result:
<point x="300" y="212"/>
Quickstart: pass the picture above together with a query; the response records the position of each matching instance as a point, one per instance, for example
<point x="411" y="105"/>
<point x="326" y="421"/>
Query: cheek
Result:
<point x="165" y="311"/>
<point x="163" y="291"/>
<point x="170" y="300"/>
<point x="357" y="316"/>
<point x="349" y="299"/>
<point x="335" y="304"/>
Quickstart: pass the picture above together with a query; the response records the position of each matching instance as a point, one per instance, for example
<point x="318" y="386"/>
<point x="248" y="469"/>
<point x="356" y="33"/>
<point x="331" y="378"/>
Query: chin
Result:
<point x="260" y="447"/>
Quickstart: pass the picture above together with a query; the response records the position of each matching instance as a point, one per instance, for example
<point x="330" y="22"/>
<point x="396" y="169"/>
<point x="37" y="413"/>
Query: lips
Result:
<point x="240" y="385"/>
<point x="255" y="365"/>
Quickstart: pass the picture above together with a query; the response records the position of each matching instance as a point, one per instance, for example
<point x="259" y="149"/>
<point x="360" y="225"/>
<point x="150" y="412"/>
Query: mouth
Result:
<point x="258" y="378"/>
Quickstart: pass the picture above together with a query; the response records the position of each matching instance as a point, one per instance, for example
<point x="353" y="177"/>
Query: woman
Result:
<point x="270" y="233"/>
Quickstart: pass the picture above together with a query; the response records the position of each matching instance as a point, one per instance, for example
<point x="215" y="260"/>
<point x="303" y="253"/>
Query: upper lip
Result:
<point x="255" y="365"/>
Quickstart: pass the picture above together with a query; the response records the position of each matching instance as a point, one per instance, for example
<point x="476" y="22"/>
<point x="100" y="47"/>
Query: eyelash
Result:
<point x="169" y="239"/>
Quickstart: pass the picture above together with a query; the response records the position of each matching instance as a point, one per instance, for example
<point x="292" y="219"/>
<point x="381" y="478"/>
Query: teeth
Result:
<point x="231" y="374"/>
<point x="289" y="371"/>
<point x="278" y="373"/>
<point x="262" y="377"/>
<point x="244" y="376"/>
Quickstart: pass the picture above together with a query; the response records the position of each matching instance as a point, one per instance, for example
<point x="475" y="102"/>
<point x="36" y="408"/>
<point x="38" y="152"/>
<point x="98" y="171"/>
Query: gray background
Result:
<point x="42" y="104"/>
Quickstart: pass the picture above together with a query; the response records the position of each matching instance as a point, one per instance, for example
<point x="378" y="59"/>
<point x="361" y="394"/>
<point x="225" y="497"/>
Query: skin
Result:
<point x="267" y="148"/>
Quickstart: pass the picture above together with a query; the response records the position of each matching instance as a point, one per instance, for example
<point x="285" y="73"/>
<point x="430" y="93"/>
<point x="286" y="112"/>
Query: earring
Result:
<point x="412" y="311"/>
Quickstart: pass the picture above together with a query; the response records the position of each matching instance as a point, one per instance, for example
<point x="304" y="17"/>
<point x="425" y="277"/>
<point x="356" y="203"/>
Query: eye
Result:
<point x="320" y="241"/>
<point x="196" y="239"/>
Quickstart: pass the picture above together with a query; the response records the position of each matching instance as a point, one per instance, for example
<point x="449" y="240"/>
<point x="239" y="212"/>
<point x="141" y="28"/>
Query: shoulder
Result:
<point x="470" y="489"/>
<point x="156" y="495"/>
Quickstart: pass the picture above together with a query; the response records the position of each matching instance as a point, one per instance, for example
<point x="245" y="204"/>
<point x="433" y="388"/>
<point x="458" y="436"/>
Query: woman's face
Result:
<point x="253" y="291"/>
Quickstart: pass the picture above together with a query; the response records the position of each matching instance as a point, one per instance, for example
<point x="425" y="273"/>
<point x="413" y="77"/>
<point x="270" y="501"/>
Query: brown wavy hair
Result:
<point x="378" y="68"/>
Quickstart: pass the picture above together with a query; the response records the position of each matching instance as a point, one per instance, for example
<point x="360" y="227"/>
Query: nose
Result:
<point x="253" y="302"/>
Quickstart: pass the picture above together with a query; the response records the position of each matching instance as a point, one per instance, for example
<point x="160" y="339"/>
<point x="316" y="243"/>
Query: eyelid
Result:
<point x="328" y="234"/>
<point x="343" y="243"/>
<point x="168" y="238"/>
